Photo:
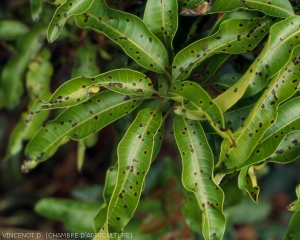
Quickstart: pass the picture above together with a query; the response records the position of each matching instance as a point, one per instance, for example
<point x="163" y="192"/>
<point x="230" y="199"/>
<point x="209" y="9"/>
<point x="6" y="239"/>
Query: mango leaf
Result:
<point x="129" y="32"/>
<point x="295" y="206"/>
<point x="247" y="181"/>
<point x="134" y="159"/>
<point x="293" y="230"/>
<point x="85" y="62"/>
<point x="80" y="89"/>
<point x="36" y="9"/>
<point x="161" y="18"/>
<point x="12" y="73"/>
<point x="276" y="8"/>
<point x="197" y="175"/>
<point x="109" y="186"/>
<point x="197" y="105"/>
<point x="191" y="212"/>
<point x="79" y="122"/>
<point x="76" y="215"/>
<point x="226" y="81"/>
<point x="234" y="36"/>
<point x="239" y="14"/>
<point x="267" y="64"/>
<point x="262" y="116"/>
<point x="63" y="12"/>
<point x="12" y="29"/>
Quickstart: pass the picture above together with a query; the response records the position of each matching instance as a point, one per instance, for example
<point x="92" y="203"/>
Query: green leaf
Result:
<point x="267" y="64"/>
<point x="129" y="32"/>
<point x="192" y="213"/>
<point x="197" y="175"/>
<point x="76" y="215"/>
<point x="12" y="73"/>
<point x="248" y="212"/>
<point x="234" y="36"/>
<point x="78" y="90"/>
<point x="293" y="230"/>
<point x="240" y="14"/>
<point x="134" y="158"/>
<point x="276" y="8"/>
<point x="79" y="122"/>
<point x="63" y="12"/>
<point x="38" y="76"/>
<point x="295" y="206"/>
<point x="36" y="9"/>
<point x="85" y="62"/>
<point x="262" y="116"/>
<point x="110" y="182"/>
<point x="197" y="105"/>
<point x="247" y="180"/>
<point x="161" y="17"/>
<point x="12" y="29"/>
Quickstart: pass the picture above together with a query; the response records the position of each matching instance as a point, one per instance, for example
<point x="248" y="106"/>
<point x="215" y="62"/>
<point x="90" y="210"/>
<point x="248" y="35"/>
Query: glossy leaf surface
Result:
<point x="267" y="64"/>
<point x="276" y="8"/>
<point x="197" y="175"/>
<point x="262" y="116"/>
<point x="79" y="122"/>
<point x="80" y="89"/>
<point x="63" y="12"/>
<point x="197" y="105"/>
<point x="234" y="36"/>
<point x="162" y="19"/>
<point x="129" y="32"/>
<point x="134" y="159"/>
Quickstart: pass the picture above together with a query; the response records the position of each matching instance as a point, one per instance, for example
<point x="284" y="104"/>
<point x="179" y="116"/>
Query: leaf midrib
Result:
<point x="270" y="6"/>
<point x="82" y="122"/>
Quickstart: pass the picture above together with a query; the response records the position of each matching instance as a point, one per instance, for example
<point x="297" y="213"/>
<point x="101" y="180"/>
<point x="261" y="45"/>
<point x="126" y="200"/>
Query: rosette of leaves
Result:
<point x="248" y="114"/>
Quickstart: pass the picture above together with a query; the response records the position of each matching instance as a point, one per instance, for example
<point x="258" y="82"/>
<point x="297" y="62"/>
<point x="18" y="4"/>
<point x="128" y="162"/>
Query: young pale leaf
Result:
<point x="263" y="115"/>
<point x="161" y="17"/>
<point x="295" y="206"/>
<point x="197" y="175"/>
<point x="79" y="122"/>
<point x="197" y="105"/>
<point x="110" y="182"/>
<point x="12" y="73"/>
<point x="63" y="12"/>
<point x="80" y="89"/>
<point x="129" y="32"/>
<point x="276" y="8"/>
<point x="267" y="64"/>
<point x="134" y="158"/>
<point x="234" y="36"/>
<point x="293" y="230"/>
<point x="36" y="9"/>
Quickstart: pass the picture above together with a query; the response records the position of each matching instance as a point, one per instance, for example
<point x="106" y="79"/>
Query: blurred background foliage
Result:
<point x="64" y="193"/>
